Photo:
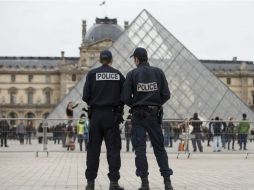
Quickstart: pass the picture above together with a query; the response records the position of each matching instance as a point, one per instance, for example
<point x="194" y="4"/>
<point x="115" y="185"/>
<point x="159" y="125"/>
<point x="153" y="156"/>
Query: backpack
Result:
<point x="217" y="128"/>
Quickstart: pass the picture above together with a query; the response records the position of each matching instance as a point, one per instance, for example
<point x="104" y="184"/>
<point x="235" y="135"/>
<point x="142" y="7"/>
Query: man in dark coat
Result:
<point x="102" y="92"/>
<point x="196" y="123"/>
<point x="127" y="131"/>
<point x="4" y="129"/>
<point x="145" y="91"/>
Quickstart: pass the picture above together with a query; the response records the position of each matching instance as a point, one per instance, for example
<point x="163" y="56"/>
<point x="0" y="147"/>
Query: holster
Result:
<point x="144" y="111"/>
<point x="160" y="114"/>
<point x="89" y="112"/>
<point x="119" y="112"/>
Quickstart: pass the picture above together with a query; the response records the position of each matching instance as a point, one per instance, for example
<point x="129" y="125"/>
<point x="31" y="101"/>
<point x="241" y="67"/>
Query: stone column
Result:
<point x="244" y="82"/>
<point x="126" y="25"/>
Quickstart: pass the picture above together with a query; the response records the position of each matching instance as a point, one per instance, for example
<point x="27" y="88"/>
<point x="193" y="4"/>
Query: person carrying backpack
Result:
<point x="216" y="130"/>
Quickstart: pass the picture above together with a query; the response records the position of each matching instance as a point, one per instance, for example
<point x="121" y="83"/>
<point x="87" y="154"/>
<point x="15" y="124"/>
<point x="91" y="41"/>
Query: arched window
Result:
<point x="47" y="97"/>
<point x="13" y="115"/>
<point x="45" y="115"/>
<point x="74" y="77"/>
<point x="48" y="92"/>
<point x="30" y="95"/>
<point x="30" y="115"/>
<point x="13" y="95"/>
<point x="13" y="78"/>
<point x="48" y="78"/>
<point x="30" y="78"/>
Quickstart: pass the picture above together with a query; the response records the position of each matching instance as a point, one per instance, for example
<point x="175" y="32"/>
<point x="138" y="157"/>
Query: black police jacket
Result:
<point x="103" y="87"/>
<point x="145" y="85"/>
<point x="196" y="123"/>
<point x="4" y="126"/>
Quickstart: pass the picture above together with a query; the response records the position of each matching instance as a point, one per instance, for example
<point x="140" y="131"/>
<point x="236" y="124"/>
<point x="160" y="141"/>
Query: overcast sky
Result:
<point x="210" y="29"/>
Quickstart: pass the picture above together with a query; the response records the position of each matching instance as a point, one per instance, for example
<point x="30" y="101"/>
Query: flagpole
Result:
<point x="105" y="9"/>
<point x="103" y="5"/>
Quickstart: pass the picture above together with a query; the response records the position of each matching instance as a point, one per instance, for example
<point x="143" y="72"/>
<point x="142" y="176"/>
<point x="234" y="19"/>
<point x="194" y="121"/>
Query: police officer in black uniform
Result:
<point x="145" y="91"/>
<point x="102" y="92"/>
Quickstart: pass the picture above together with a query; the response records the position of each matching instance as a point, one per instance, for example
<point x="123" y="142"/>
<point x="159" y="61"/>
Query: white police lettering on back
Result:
<point x="147" y="87"/>
<point x="107" y="76"/>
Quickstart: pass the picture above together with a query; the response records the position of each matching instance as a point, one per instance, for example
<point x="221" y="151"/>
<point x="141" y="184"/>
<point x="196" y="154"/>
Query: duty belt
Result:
<point x="109" y="108"/>
<point x="146" y="108"/>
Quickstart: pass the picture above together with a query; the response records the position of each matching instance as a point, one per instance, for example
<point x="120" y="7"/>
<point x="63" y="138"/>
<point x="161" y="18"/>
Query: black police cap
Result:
<point x="105" y="54"/>
<point x="139" y="52"/>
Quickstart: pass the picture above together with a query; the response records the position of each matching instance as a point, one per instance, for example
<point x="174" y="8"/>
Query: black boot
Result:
<point x="90" y="185"/>
<point x="115" y="186"/>
<point x="167" y="183"/>
<point x="145" y="184"/>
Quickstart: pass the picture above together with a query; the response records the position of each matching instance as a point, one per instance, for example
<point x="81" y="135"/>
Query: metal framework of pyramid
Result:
<point x="194" y="88"/>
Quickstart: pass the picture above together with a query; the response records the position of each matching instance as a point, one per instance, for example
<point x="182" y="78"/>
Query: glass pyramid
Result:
<point x="194" y="88"/>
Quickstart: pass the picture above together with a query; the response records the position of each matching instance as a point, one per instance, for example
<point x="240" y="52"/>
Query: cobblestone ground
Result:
<point x="65" y="170"/>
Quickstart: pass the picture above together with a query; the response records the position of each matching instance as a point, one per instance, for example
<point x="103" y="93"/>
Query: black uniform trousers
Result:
<point x="243" y="140"/>
<point x="142" y="123"/>
<point x="103" y="126"/>
<point x="4" y="136"/>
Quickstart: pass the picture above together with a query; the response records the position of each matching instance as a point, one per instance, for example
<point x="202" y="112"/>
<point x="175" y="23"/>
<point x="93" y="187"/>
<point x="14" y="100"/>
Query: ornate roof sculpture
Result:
<point x="103" y="29"/>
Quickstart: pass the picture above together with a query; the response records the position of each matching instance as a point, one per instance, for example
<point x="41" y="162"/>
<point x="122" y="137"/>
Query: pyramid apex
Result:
<point x="144" y="10"/>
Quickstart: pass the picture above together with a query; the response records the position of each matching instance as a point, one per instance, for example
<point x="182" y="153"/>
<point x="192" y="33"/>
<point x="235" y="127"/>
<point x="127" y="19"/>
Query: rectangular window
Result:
<point x="30" y="78"/>
<point x="13" y="98"/>
<point x="47" y="94"/>
<point x="73" y="77"/>
<point x="13" y="78"/>
<point x="30" y="97"/>
<point x="228" y="81"/>
<point x="48" y="78"/>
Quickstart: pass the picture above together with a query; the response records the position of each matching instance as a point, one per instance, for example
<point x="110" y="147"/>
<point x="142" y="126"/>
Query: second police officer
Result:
<point x="145" y="91"/>
<point x="102" y="92"/>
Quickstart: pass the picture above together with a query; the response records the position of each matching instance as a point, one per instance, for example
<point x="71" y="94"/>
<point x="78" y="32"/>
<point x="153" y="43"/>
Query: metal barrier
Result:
<point x="228" y="141"/>
<point x="60" y="135"/>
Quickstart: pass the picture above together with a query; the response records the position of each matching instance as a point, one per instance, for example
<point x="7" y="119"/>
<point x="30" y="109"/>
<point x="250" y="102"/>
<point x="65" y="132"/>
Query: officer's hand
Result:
<point x="119" y="118"/>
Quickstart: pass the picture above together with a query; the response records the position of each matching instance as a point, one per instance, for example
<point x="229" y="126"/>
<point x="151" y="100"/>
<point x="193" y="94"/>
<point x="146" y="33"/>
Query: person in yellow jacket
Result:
<point x="82" y="131"/>
<point x="243" y="131"/>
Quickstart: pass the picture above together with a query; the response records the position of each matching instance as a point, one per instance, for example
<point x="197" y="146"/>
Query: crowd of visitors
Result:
<point x="23" y="131"/>
<point x="222" y="134"/>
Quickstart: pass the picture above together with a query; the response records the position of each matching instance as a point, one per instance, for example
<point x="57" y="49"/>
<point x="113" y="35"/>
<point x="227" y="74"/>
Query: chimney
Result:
<point x="234" y="58"/>
<point x="62" y="55"/>
<point x="83" y="31"/>
<point x="126" y="25"/>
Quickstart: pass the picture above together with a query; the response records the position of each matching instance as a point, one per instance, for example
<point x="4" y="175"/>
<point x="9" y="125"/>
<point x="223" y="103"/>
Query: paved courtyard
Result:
<point x="65" y="170"/>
